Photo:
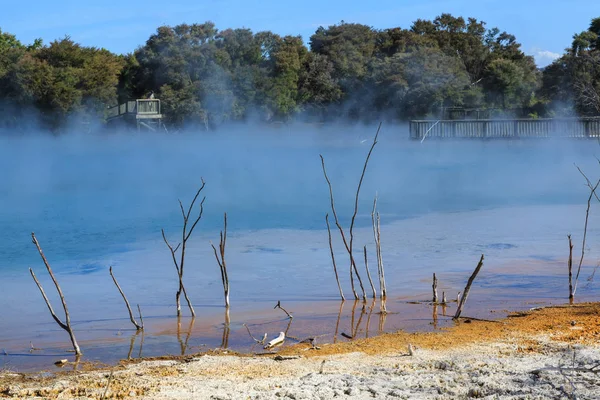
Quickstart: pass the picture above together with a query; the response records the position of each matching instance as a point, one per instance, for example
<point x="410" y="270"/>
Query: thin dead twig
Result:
<point x="587" y="214"/>
<point x="255" y="339"/>
<point x="278" y="305"/>
<point x="434" y="287"/>
<point x="349" y="244"/>
<point x="369" y="273"/>
<point x="570" y="267"/>
<point x="67" y="324"/>
<point x="185" y="235"/>
<point x="221" y="260"/>
<point x="337" y="278"/>
<point x="375" y="219"/>
<point x="138" y="327"/>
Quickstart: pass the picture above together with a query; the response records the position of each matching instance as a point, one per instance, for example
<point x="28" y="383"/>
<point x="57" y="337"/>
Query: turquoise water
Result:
<point x="96" y="201"/>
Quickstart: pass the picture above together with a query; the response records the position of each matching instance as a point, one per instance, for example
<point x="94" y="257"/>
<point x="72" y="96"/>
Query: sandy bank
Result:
<point x="547" y="353"/>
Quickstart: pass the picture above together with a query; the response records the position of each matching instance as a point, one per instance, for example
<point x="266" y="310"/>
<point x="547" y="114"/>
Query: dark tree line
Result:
<point x="206" y="77"/>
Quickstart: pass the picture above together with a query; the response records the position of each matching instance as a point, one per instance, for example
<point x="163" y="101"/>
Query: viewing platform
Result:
<point x="140" y="113"/>
<point x="588" y="127"/>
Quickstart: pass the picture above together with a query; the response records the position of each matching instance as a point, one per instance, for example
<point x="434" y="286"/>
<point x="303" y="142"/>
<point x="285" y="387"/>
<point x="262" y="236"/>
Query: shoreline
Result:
<point x="544" y="352"/>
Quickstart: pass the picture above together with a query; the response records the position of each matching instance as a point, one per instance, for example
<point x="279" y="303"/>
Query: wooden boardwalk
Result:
<point x="140" y="113"/>
<point x="506" y="129"/>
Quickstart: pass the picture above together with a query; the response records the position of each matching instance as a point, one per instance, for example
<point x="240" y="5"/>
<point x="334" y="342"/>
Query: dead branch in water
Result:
<point x="362" y="176"/>
<point x="570" y="267"/>
<point x="587" y="215"/>
<point x="138" y="327"/>
<point x="64" y="325"/>
<point x="337" y="278"/>
<point x="278" y="305"/>
<point x="255" y="339"/>
<point x="221" y="260"/>
<point x="463" y="299"/>
<point x="226" y="330"/>
<point x="369" y="273"/>
<point x="349" y="244"/>
<point x="434" y="287"/>
<point x="342" y="234"/>
<point x="377" y="236"/>
<point x="185" y="235"/>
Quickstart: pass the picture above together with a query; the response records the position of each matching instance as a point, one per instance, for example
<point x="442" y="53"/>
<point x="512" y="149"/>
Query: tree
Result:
<point x="349" y="47"/>
<point x="573" y="80"/>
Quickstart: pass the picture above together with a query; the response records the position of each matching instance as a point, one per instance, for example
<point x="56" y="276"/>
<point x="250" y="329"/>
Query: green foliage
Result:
<point x="61" y="80"/>
<point x="207" y="76"/>
<point x="572" y="82"/>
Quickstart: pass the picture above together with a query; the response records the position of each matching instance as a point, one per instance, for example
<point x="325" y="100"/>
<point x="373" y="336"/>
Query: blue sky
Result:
<point x="544" y="28"/>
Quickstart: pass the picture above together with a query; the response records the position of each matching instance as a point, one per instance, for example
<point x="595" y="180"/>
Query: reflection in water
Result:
<point x="435" y="315"/>
<point x="226" y="329"/>
<point x="76" y="362"/>
<point x="362" y="312"/>
<point x="382" y="317"/>
<point x="371" y="307"/>
<point x="132" y="343"/>
<point x="184" y="344"/>
<point x="337" y="324"/>
<point x="355" y="323"/>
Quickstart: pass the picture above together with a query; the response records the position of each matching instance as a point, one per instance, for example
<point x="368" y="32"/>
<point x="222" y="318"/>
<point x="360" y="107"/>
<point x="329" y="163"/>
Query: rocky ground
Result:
<point x="546" y="353"/>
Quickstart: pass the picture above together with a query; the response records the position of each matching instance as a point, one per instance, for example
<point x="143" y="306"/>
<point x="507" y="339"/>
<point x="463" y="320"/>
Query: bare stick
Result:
<point x="226" y="329"/>
<point x="570" y="266"/>
<point x="140" y="313"/>
<point x="369" y="273"/>
<point x="337" y="223"/>
<point x="185" y="235"/>
<point x="463" y="299"/>
<point x="587" y="214"/>
<point x="278" y="305"/>
<point x="377" y="245"/>
<point x="133" y="321"/>
<point x="377" y="236"/>
<point x="337" y="278"/>
<point x="444" y="298"/>
<point x="384" y="291"/>
<point x="67" y="324"/>
<point x="434" y="287"/>
<point x="349" y="245"/>
<point x="221" y="260"/>
<point x="362" y="176"/>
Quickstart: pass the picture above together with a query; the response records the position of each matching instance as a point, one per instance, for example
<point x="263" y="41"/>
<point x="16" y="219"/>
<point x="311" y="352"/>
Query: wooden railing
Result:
<point x="517" y="128"/>
<point x="141" y="108"/>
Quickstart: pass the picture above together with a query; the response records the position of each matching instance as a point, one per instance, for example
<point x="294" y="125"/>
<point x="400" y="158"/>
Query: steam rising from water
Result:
<point x="99" y="194"/>
<point x="96" y="201"/>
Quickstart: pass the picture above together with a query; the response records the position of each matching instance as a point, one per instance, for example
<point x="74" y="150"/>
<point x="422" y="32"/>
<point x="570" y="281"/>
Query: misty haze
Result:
<point x="312" y="200"/>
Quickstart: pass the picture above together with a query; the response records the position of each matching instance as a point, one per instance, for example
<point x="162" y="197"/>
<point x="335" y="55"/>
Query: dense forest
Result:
<point x="207" y="77"/>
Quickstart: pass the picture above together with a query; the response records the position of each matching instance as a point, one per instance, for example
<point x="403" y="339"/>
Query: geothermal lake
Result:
<point x="100" y="201"/>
